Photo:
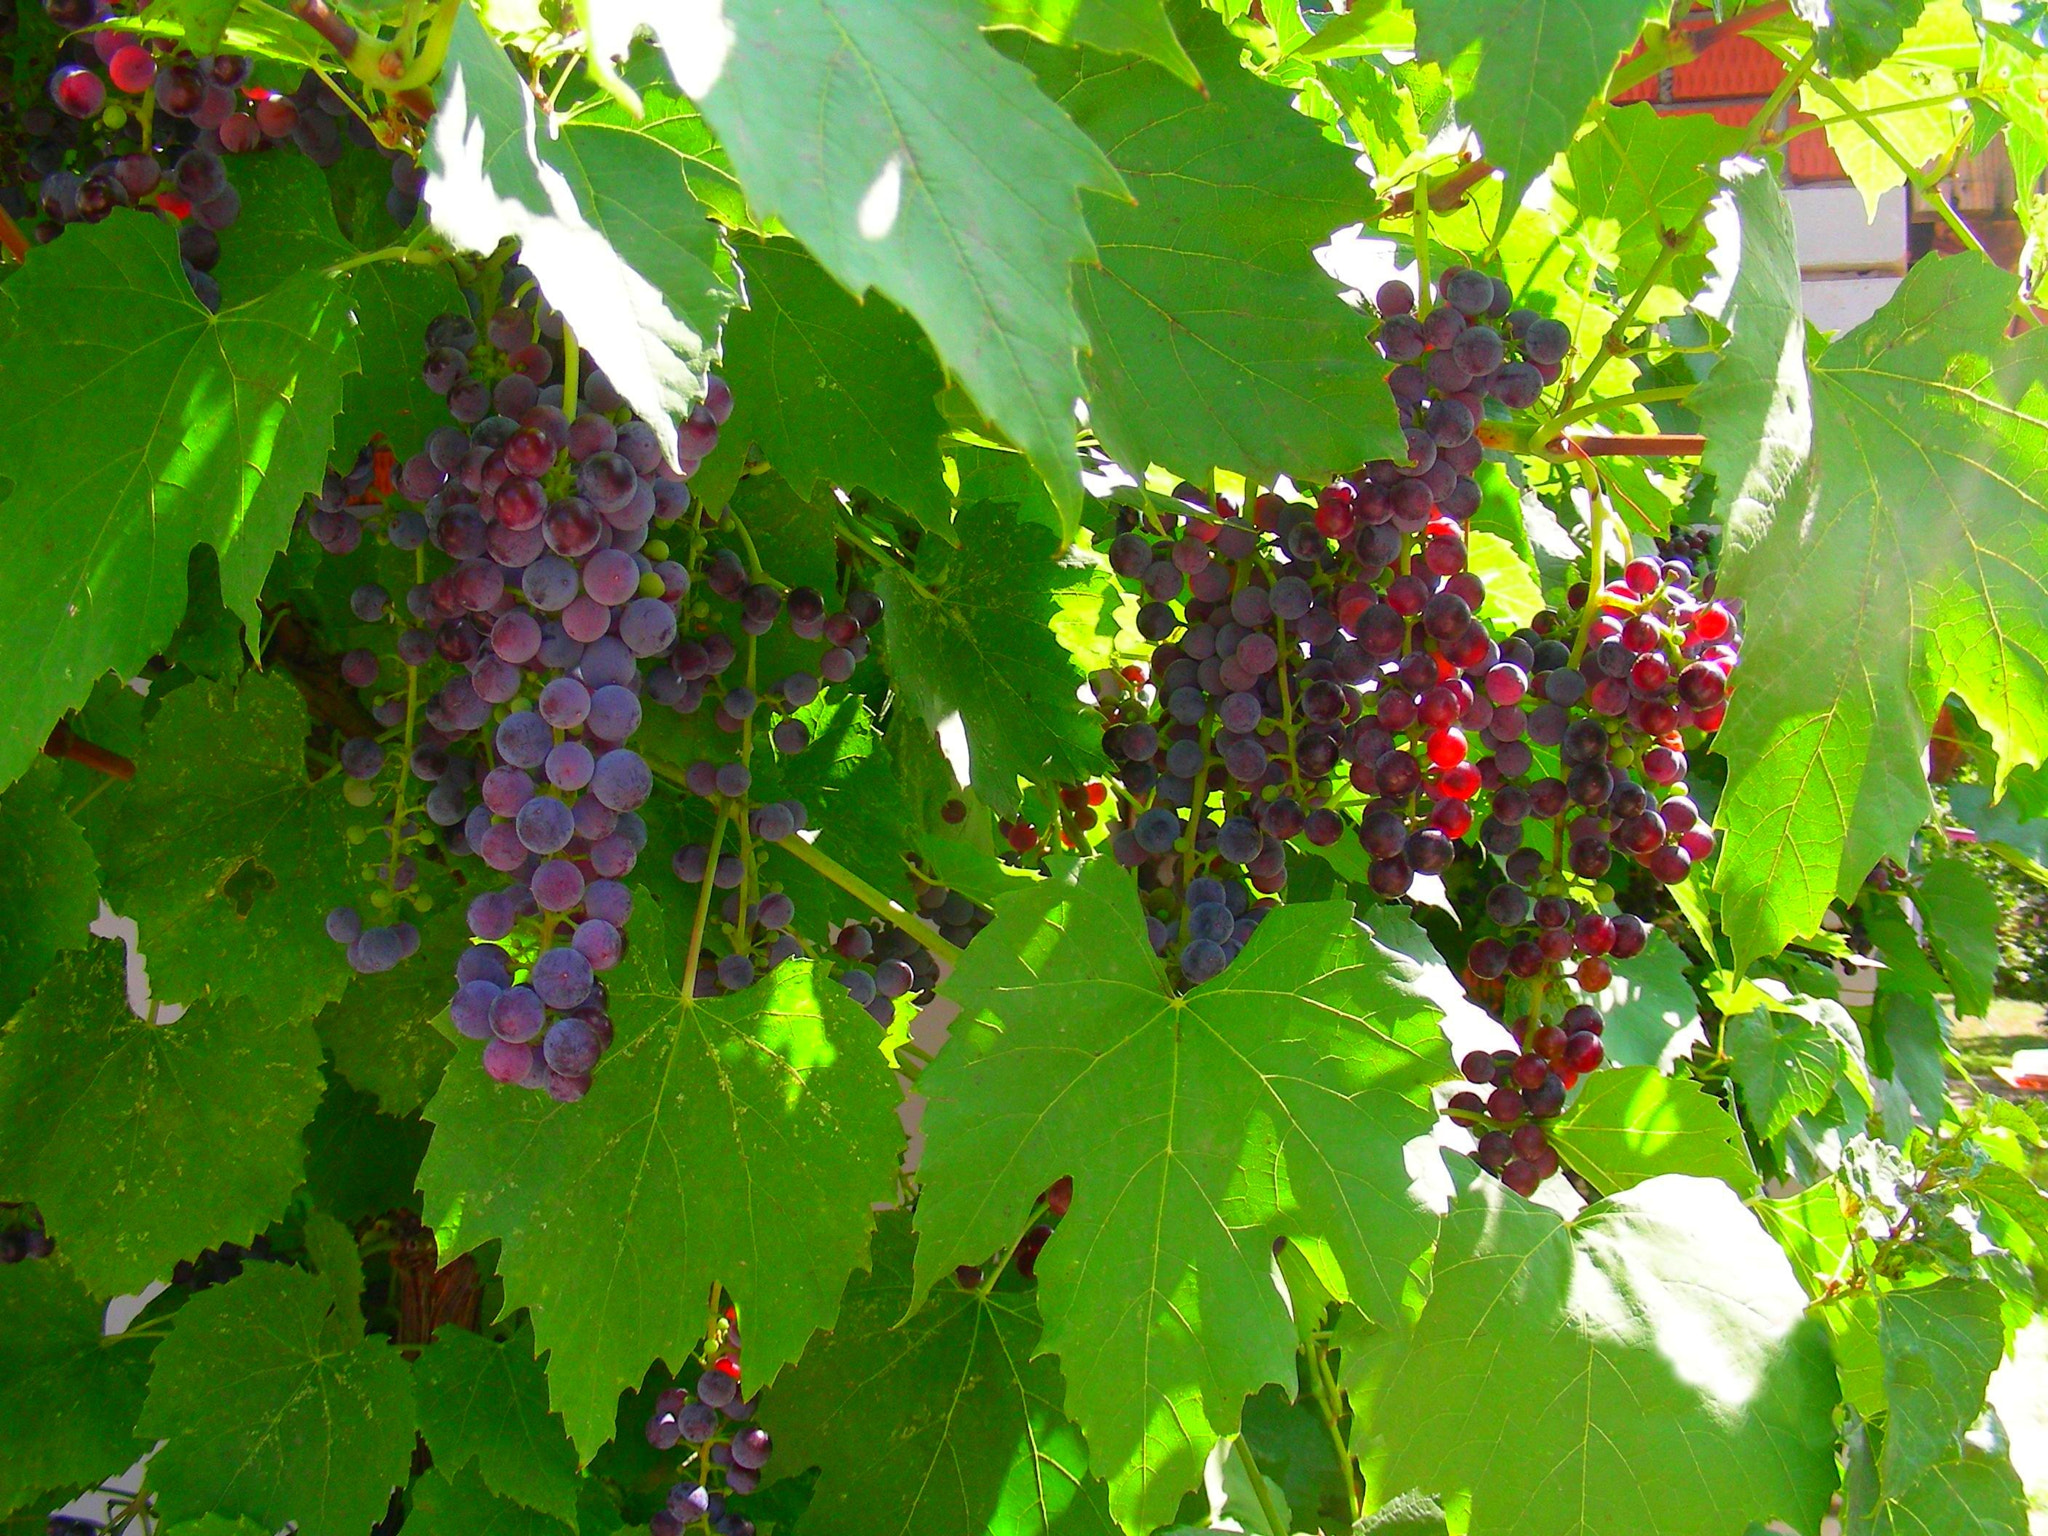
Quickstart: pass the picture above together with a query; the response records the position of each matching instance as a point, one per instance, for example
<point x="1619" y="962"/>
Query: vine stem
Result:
<point x="1587" y="408"/>
<point x="1326" y="1395"/>
<point x="412" y="702"/>
<point x="1420" y="234"/>
<point x="882" y="906"/>
<point x="1916" y="178"/>
<point x="1259" y="1488"/>
<point x="703" y="909"/>
<point x="12" y="240"/>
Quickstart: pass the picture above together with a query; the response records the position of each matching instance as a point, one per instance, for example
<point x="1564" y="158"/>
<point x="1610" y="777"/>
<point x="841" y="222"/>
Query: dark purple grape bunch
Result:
<point x="141" y="122"/>
<point x="1517" y="1093"/>
<point x="884" y="963"/>
<point x="22" y="1236"/>
<point x="725" y="1452"/>
<point x="559" y="605"/>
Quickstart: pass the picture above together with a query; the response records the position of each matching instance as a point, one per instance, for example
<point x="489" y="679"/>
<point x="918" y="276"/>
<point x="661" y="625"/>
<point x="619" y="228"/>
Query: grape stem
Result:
<point x="1419" y="233"/>
<point x="66" y="744"/>
<point x="703" y="909"/>
<point x="1595" y="564"/>
<point x="1259" y="1489"/>
<point x="572" y="358"/>
<point x="1587" y="408"/>
<point x="882" y="906"/>
<point x="412" y="700"/>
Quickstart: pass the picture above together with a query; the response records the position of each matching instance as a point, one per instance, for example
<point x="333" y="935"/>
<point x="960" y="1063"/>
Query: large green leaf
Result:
<point x="980" y="652"/>
<point x="49" y="886"/>
<point x="1652" y="1013"/>
<point x="1272" y="1101"/>
<point x="390" y="302"/>
<point x="1915" y="92"/>
<point x="604" y="217"/>
<point x="1114" y="26"/>
<point x="1658" y="1343"/>
<point x="276" y="1407"/>
<point x="1632" y="1124"/>
<point x="834" y="389"/>
<point x="1894" y="568"/>
<point x="70" y="1390"/>
<point x="226" y="856"/>
<point x="739" y="1142"/>
<point x="486" y="1402"/>
<point x="143" y="1143"/>
<point x="1638" y="178"/>
<point x="2011" y="826"/>
<point x="911" y="158"/>
<point x="1976" y="1493"/>
<point x="1941" y="1344"/>
<point x="933" y="1421"/>
<point x="1961" y="911"/>
<point x="1215" y="338"/>
<point x="1526" y="70"/>
<point x="457" y="1502"/>
<point x="206" y="429"/>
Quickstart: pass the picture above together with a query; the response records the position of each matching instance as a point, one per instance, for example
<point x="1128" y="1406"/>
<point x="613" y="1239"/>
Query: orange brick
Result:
<point x="1735" y="66"/>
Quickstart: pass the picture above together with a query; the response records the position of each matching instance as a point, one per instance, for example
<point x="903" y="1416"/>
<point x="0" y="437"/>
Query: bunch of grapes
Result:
<point x="140" y="122"/>
<point x="22" y="1236"/>
<point x="886" y="963"/>
<point x="1322" y="671"/>
<point x="728" y="1452"/>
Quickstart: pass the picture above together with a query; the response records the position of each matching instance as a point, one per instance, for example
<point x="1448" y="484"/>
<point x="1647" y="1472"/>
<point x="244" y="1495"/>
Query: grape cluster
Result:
<point x="1323" y="671"/>
<point x="217" y="1266"/>
<point x="140" y="122"/>
<point x="728" y="1452"/>
<point x="887" y="963"/>
<point x="23" y="1236"/>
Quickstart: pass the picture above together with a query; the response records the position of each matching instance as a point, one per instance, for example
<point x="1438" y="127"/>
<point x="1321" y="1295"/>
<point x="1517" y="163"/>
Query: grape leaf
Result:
<point x="1652" y="1015"/>
<point x="276" y="1407"/>
<point x="834" y="389"/>
<point x="1977" y="1493"/>
<point x="385" y="1032"/>
<point x="1923" y="67"/>
<point x="486" y="1402"/>
<point x="981" y="649"/>
<point x="1626" y="1126"/>
<point x="738" y="1142"/>
<point x="1637" y="177"/>
<point x="226" y="856"/>
<point x="213" y="1525"/>
<point x="286" y="196"/>
<point x="1961" y="912"/>
<point x="1660" y="1329"/>
<point x="1114" y="26"/>
<point x="604" y="218"/>
<point x="457" y="1502"/>
<point x="1787" y="1057"/>
<point x="2007" y="826"/>
<point x="1215" y="338"/>
<point x="1855" y="36"/>
<point x="1513" y="597"/>
<point x="1271" y="1101"/>
<point x="1941" y="1343"/>
<point x="1892" y="570"/>
<point x="936" y="1420"/>
<point x="359" y="1162"/>
<point x="1911" y="1029"/>
<point x="1756" y="404"/>
<point x="1524" y="71"/>
<point x="208" y="429"/>
<point x="911" y="158"/>
<point x="49" y="886"/>
<point x="144" y="1143"/>
<point x="70" y="1391"/>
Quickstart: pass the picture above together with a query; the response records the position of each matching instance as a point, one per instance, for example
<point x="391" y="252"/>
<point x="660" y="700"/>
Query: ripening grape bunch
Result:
<point x="130" y="121"/>
<point x="1323" y="671"/>
<point x="725" y="1452"/>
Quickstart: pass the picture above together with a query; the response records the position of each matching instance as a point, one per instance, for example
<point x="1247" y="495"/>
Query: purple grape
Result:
<point x="563" y="978"/>
<point x="545" y="824"/>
